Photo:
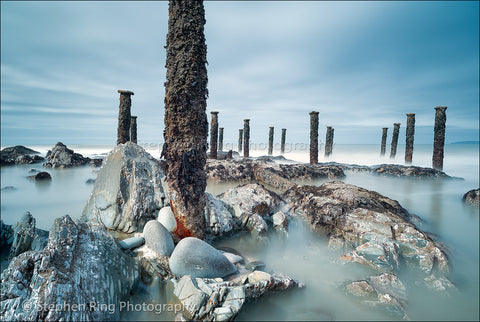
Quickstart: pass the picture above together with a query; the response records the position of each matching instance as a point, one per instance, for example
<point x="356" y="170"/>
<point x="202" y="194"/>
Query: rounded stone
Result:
<point x="195" y="257"/>
<point x="158" y="238"/>
<point x="43" y="176"/>
<point x="167" y="218"/>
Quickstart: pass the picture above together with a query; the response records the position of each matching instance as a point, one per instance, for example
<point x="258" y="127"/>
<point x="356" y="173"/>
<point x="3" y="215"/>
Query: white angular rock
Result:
<point x="128" y="190"/>
<point x="167" y="218"/>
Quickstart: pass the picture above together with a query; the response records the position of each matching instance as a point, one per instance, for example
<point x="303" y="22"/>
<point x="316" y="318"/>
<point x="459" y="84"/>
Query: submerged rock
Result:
<point x="128" y="190"/>
<point x="62" y="157"/>
<point x="9" y="188"/>
<point x="19" y="155"/>
<point x="42" y="176"/>
<point x="81" y="265"/>
<point x="158" y="238"/>
<point x="472" y="197"/>
<point x="195" y="257"/>
<point x="90" y="181"/>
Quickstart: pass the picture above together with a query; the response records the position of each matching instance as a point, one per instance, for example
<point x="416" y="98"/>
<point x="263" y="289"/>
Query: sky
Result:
<point x="361" y="65"/>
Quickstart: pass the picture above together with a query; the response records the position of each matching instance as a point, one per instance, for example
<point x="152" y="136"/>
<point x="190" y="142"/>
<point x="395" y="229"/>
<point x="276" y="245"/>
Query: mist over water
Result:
<point x="304" y="255"/>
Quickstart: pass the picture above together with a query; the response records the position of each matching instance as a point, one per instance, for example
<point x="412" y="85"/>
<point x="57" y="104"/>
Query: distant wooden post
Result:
<point x="213" y="134"/>
<point x="270" y="140"/>
<point x="313" y="137"/>
<point x="220" y="139"/>
<point x="396" y="131"/>
<point x="439" y="137"/>
<point x="384" y="141"/>
<point x="246" y="138"/>
<point x="123" y="130"/>
<point x="240" y="139"/>
<point x="329" y="141"/>
<point x="282" y="144"/>
<point x="133" y="129"/>
<point x="410" y="133"/>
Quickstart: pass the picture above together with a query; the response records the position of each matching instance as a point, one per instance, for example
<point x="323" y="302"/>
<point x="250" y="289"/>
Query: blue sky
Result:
<point x="362" y="65"/>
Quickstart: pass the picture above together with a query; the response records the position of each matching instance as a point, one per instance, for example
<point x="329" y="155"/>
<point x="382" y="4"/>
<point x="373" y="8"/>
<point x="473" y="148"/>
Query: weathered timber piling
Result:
<point x="270" y="140"/>
<point x="246" y="138"/>
<point x="409" y="136"/>
<point x="123" y="130"/>
<point x="220" y="139"/>
<point x="282" y="144"/>
<point x="439" y="137"/>
<point x="313" y="137"/>
<point x="240" y="139"/>
<point x="133" y="129"/>
<point x="384" y="141"/>
<point x="186" y="124"/>
<point x="396" y="131"/>
<point x="213" y="134"/>
<point x="329" y="141"/>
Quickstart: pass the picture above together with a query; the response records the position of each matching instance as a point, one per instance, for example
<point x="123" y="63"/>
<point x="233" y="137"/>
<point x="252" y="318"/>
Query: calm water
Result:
<point x="304" y="255"/>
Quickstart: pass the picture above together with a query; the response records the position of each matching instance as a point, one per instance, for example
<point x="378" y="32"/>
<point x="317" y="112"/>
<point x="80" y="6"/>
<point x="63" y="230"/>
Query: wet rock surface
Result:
<point x="60" y="156"/>
<point x="80" y="264"/>
<point x="19" y="155"/>
<point x="158" y="238"/>
<point x="42" y="176"/>
<point x="128" y="190"/>
<point x="472" y="197"/>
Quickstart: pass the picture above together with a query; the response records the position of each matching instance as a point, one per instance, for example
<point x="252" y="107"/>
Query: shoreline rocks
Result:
<point x="19" y="155"/>
<point x="60" y="156"/>
<point x="472" y="197"/>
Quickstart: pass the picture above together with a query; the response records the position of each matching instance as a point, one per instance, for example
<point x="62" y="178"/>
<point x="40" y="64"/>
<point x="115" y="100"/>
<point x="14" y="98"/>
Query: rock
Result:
<point x="191" y="296"/>
<point x="219" y="218"/>
<point x="233" y="258"/>
<point x="23" y="235"/>
<point x="81" y="266"/>
<point x="62" y="157"/>
<point x="407" y="171"/>
<point x="167" y="218"/>
<point x="360" y="216"/>
<point x="258" y="277"/>
<point x="6" y="235"/>
<point x="158" y="238"/>
<point x="90" y="181"/>
<point x="195" y="257"/>
<point x="255" y="265"/>
<point x="9" y="188"/>
<point x="361" y="289"/>
<point x="128" y="190"/>
<point x="224" y="155"/>
<point x="132" y="242"/>
<point x="19" y="155"/>
<point x="280" y="221"/>
<point x="42" y="176"/>
<point x="472" y="197"/>
<point x="96" y="162"/>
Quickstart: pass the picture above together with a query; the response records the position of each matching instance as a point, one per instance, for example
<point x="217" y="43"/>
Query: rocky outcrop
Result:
<point x="128" y="190"/>
<point x="25" y="236"/>
<point x="62" y="157"/>
<point x="472" y="197"/>
<point x="19" y="155"/>
<point x="6" y="235"/>
<point x="82" y="266"/>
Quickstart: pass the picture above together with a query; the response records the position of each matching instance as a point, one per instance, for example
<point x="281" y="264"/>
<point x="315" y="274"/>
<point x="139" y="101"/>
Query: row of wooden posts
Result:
<point x="127" y="131"/>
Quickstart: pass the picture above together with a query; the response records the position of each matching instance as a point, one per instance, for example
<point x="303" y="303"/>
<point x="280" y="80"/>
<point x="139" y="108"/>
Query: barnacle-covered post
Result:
<point x="329" y="141"/>
<point x="313" y="137"/>
<point x="282" y="144"/>
<point x="213" y="134"/>
<point x="246" y="138"/>
<point x="409" y="136"/>
<point x="133" y="129"/>
<point x="220" y="139"/>
<point x="270" y="140"/>
<point x="186" y="122"/>
<point x="439" y="137"/>
<point x="384" y="141"/>
<point x="240" y="139"/>
<point x="123" y="130"/>
<point x="396" y="131"/>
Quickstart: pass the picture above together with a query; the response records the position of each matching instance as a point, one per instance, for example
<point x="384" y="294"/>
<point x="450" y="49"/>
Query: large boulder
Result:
<point x="62" y="157"/>
<point x="128" y="190"/>
<point x="472" y="197"/>
<point x="19" y="155"/>
<point x="82" y="267"/>
<point x="195" y="257"/>
<point x="158" y="238"/>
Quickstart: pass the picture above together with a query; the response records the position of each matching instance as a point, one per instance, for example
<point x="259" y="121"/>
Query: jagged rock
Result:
<point x="81" y="264"/>
<point x="6" y="235"/>
<point x="128" y="190"/>
<point x="361" y="289"/>
<point x="195" y="257"/>
<point x="96" y="162"/>
<point x="472" y="197"/>
<point x="280" y="221"/>
<point x="23" y="234"/>
<point x="219" y="218"/>
<point x="62" y="157"/>
<point x="158" y="238"/>
<point x="19" y="155"/>
<point x="361" y="216"/>
<point x="132" y="242"/>
<point x="233" y="258"/>
<point x="42" y="176"/>
<point x="167" y="218"/>
<point x="407" y="171"/>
